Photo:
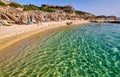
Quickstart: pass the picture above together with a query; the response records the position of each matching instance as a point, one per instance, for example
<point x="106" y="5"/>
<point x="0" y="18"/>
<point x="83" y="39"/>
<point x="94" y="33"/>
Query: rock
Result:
<point x="69" y="23"/>
<point x="5" y="23"/>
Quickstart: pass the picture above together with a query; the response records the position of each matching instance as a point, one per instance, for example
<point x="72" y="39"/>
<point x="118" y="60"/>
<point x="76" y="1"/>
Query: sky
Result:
<point x="97" y="7"/>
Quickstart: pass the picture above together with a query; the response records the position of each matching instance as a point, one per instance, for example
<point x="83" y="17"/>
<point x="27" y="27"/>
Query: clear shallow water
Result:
<point x="82" y="51"/>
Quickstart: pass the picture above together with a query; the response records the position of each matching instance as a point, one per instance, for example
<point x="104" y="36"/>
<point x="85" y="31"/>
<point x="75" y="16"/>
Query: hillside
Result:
<point x="12" y="12"/>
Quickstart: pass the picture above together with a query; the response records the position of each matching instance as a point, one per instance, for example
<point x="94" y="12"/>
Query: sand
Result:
<point x="11" y="34"/>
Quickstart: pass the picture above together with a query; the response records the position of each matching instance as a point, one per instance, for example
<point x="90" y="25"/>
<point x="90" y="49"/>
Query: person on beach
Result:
<point x="0" y="23"/>
<point x="38" y="20"/>
<point x="28" y="21"/>
<point x="45" y="18"/>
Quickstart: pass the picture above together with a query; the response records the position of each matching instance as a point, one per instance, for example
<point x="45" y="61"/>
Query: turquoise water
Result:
<point x="91" y="50"/>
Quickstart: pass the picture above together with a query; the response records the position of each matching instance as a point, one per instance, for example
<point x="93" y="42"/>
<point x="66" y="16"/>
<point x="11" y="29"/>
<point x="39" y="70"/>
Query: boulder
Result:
<point x="4" y="22"/>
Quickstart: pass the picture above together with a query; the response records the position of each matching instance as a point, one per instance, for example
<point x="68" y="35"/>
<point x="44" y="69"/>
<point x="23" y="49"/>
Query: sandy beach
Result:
<point x="11" y="34"/>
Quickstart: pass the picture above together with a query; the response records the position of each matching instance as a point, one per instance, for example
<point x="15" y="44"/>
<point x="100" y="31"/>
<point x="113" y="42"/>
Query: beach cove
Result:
<point x="71" y="51"/>
<point x="59" y="38"/>
<point x="24" y="34"/>
<point x="10" y="32"/>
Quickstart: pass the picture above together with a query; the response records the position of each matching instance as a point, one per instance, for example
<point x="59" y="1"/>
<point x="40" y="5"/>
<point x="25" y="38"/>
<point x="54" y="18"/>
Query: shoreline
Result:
<point x="21" y="33"/>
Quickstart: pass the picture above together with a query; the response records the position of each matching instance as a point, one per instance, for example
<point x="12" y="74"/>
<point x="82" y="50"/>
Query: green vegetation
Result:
<point x="79" y="12"/>
<point x="30" y="7"/>
<point x="34" y="7"/>
<point x="46" y="9"/>
<point x="15" y="5"/>
<point x="2" y="4"/>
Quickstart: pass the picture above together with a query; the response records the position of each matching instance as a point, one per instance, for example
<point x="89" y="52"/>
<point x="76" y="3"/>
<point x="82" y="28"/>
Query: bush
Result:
<point x="15" y="5"/>
<point x="46" y="9"/>
<point x="79" y="12"/>
<point x="34" y="7"/>
<point x="2" y="4"/>
<point x="30" y="7"/>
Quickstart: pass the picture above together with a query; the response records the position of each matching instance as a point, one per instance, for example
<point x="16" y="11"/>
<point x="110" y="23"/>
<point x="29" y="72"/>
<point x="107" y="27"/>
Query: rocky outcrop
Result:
<point x="3" y="22"/>
<point x="111" y="17"/>
<point x="9" y="14"/>
<point x="16" y="16"/>
<point x="67" y="9"/>
<point x="103" y="17"/>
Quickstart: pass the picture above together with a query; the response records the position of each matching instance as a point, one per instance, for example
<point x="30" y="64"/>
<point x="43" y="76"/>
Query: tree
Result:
<point x="79" y="12"/>
<point x="15" y="5"/>
<point x="2" y="4"/>
<point x="30" y="7"/>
